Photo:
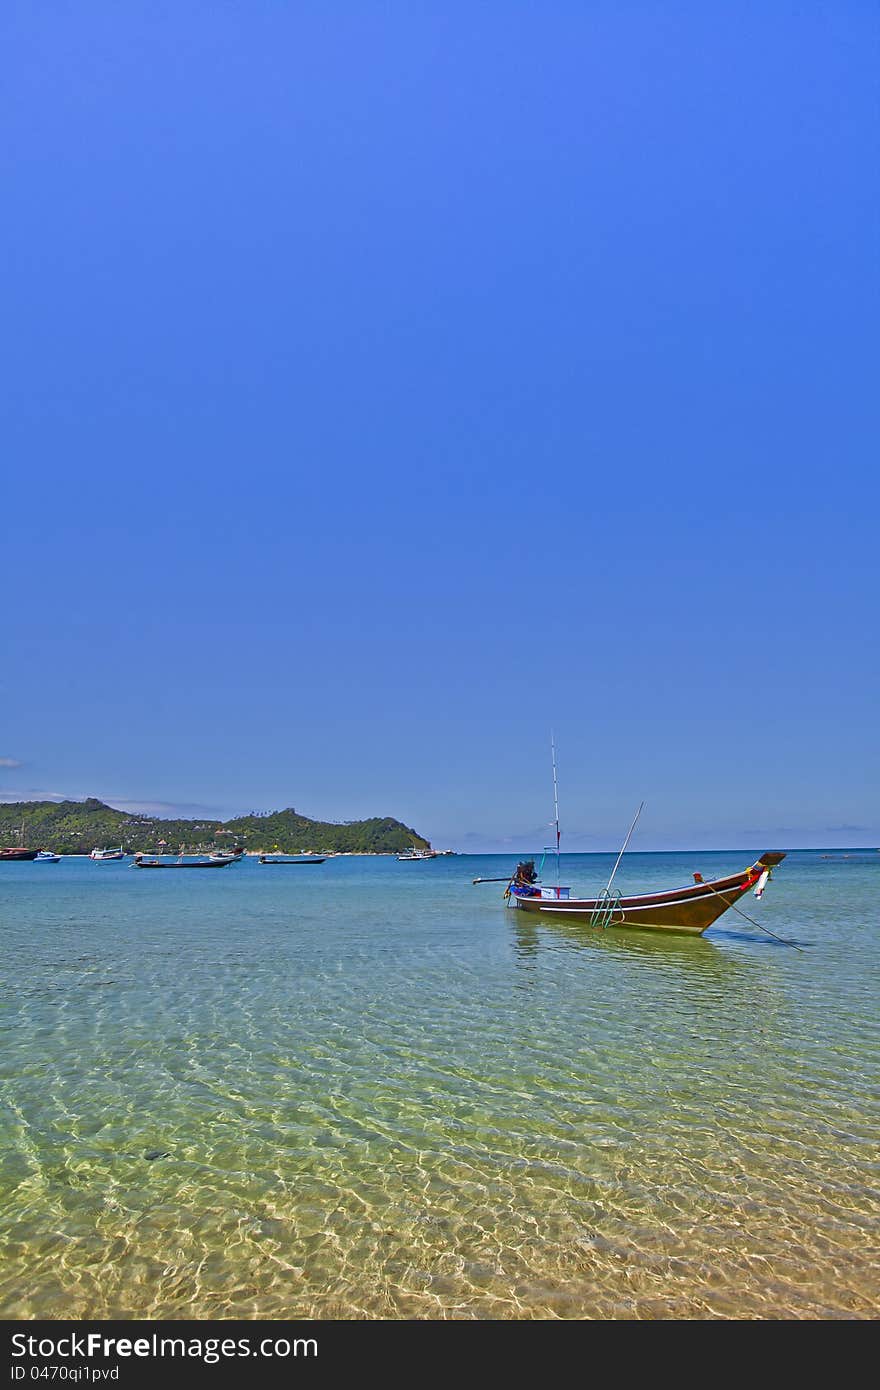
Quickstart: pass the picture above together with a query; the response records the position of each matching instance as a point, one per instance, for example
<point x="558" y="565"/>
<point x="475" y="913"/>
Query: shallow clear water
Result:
<point x="368" y="1090"/>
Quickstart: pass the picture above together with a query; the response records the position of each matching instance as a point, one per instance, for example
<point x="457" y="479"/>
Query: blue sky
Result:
<point x="384" y="386"/>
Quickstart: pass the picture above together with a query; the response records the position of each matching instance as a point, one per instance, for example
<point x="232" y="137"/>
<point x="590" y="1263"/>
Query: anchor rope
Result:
<point x="754" y="921"/>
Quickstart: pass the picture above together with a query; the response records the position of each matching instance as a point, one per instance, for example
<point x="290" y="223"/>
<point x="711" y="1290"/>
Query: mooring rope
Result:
<point x="754" y="921"/>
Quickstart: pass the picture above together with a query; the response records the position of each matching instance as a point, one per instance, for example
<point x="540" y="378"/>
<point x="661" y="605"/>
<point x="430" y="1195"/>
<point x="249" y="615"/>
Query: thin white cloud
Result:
<point x="167" y="810"/>
<point x="11" y="762"/>
<point x="34" y="794"/>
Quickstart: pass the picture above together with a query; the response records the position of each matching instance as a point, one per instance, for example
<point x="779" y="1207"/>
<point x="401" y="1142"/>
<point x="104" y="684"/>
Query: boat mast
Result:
<point x="623" y="850"/>
<point x="555" y="804"/>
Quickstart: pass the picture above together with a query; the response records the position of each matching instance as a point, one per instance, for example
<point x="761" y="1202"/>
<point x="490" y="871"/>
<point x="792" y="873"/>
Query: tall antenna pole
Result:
<point x="555" y="803"/>
<point x="623" y="851"/>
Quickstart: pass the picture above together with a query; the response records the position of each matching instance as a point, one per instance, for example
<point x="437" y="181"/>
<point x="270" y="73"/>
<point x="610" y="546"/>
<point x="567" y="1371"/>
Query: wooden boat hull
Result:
<point x="690" y="910"/>
<point x="17" y="856"/>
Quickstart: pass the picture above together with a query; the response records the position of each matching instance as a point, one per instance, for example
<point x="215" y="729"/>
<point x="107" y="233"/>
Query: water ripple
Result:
<point x="371" y="1098"/>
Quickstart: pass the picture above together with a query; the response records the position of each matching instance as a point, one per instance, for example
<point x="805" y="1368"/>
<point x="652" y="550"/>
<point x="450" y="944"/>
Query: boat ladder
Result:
<point x="607" y="904"/>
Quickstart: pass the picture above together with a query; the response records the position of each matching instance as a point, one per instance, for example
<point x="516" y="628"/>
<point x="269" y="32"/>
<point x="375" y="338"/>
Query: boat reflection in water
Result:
<point x="533" y="935"/>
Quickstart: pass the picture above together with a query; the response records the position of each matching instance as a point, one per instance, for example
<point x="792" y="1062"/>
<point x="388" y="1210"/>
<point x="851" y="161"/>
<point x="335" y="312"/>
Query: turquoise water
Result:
<point x="368" y="1090"/>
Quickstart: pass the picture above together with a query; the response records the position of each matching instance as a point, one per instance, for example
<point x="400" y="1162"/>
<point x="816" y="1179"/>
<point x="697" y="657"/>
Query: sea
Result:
<point x="367" y="1089"/>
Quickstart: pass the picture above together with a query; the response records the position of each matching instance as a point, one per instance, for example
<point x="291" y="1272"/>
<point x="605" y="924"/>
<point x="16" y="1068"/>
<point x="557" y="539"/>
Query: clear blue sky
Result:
<point x="384" y="385"/>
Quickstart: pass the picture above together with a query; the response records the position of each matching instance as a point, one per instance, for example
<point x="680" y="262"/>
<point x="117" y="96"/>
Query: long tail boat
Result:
<point x="690" y="909"/>
<point x="15" y="854"/>
<point x="141" y="863"/>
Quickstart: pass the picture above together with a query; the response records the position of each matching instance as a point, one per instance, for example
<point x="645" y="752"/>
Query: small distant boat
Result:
<point x="45" y="856"/>
<point x="291" y="859"/>
<point x="141" y="863"/>
<point x="104" y="854"/>
<point x="414" y="853"/>
<point x="17" y="853"/>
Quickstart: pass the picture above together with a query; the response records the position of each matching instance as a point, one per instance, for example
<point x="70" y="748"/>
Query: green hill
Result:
<point x="75" y="827"/>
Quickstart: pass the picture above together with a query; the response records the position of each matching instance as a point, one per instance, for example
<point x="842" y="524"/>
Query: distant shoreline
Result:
<point x="837" y="850"/>
<point x="76" y="827"/>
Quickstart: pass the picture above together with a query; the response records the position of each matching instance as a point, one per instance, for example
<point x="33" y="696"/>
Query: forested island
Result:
<point x="76" y="827"/>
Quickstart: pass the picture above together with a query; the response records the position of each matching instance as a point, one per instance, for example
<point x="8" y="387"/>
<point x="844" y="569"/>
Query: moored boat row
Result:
<point x="19" y="854"/>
